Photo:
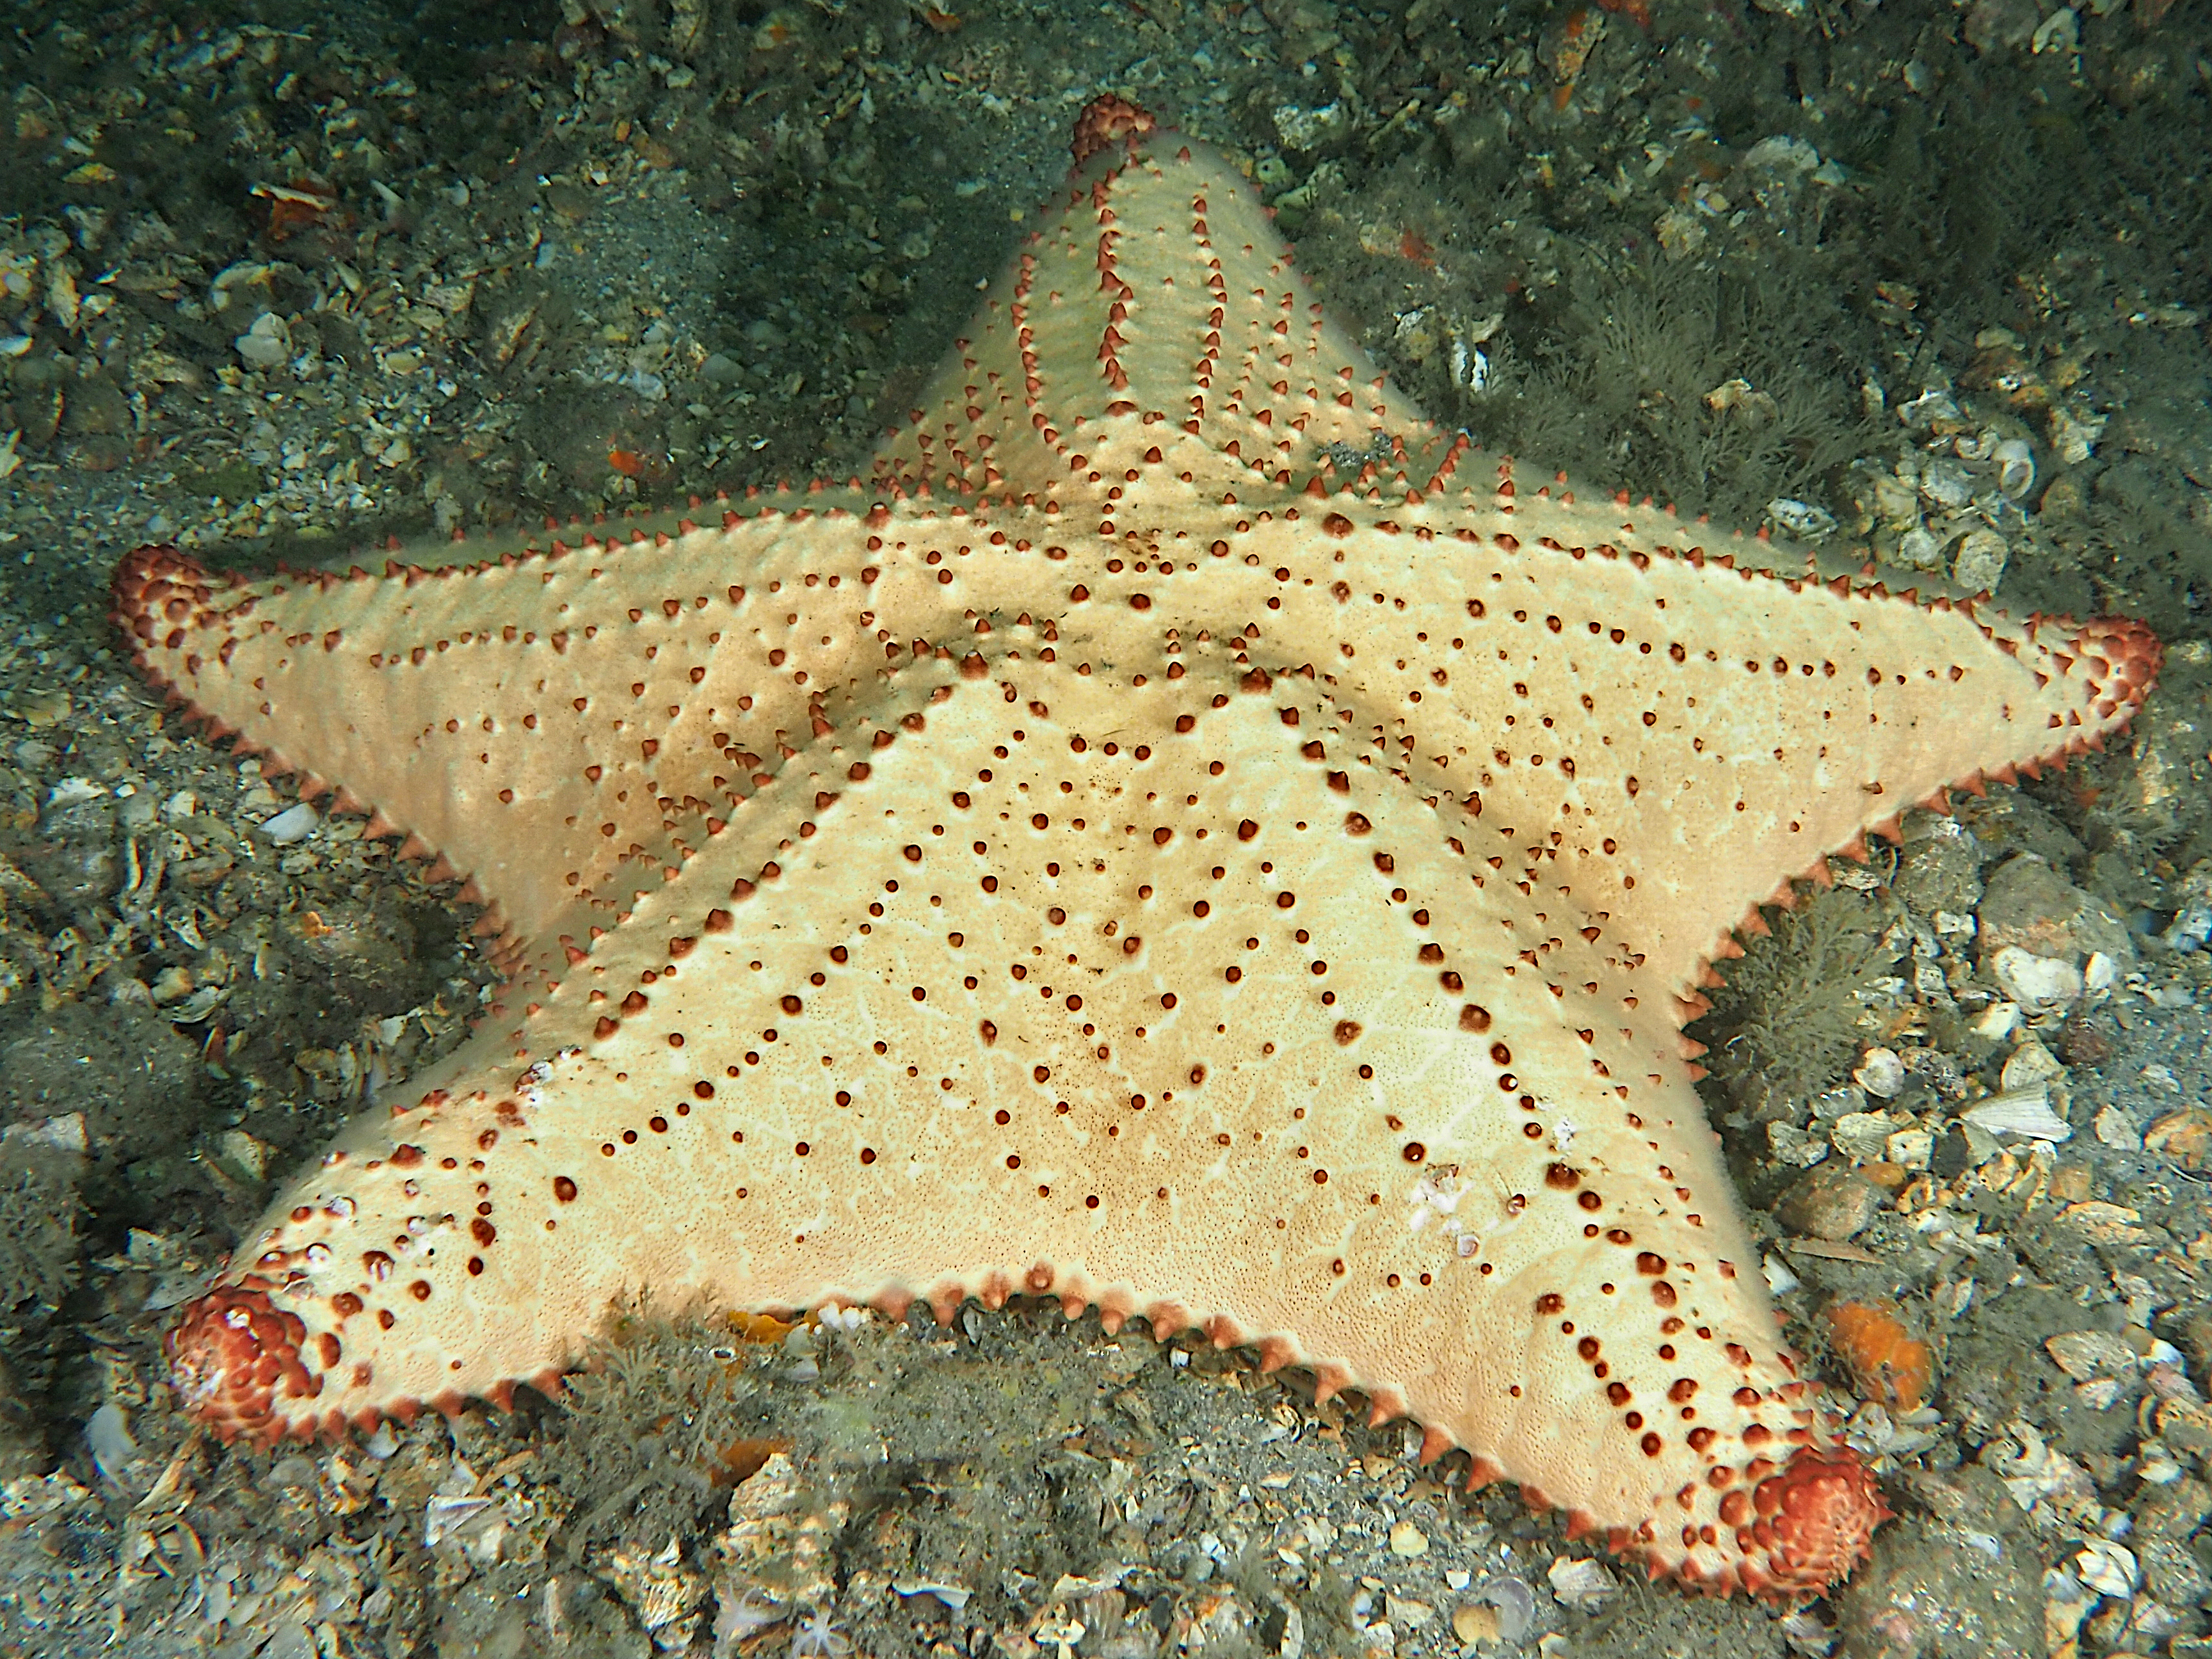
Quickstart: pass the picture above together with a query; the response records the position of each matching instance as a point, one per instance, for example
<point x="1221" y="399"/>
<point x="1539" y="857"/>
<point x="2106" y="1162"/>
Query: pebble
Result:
<point x="294" y="824"/>
<point x="2030" y="904"/>
<point x="1408" y="1541"/>
<point x="1831" y="1202"/>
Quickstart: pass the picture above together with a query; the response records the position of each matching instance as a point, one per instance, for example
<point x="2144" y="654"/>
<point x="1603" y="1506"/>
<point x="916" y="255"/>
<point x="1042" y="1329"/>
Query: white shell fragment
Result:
<point x="1582" y="1584"/>
<point x="294" y="824"/>
<point x="2036" y="982"/>
<point x="1802" y="519"/>
<point x="1880" y="1073"/>
<point x="267" y="344"/>
<point x="2030" y="1064"/>
<point x="2019" y="1112"/>
<point x="1980" y="563"/>
<point x="2084" y="1355"/>
<point x="2109" y="1569"/>
<point x="1864" y="1135"/>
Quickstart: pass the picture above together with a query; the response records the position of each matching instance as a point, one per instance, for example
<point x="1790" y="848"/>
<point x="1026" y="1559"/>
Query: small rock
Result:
<point x="294" y="824"/>
<point x="1472" y="1622"/>
<point x="1979" y="563"/>
<point x="1831" y="1203"/>
<point x="2029" y="904"/>
<point x="1582" y="1584"/>
<point x="1408" y="1541"/>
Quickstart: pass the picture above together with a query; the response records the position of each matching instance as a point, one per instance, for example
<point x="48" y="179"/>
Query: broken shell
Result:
<point x="1880" y="1072"/>
<point x="2019" y="1112"/>
<point x="2083" y="1355"/>
<point x="2035" y="982"/>
<point x="2109" y="1569"/>
<point x="1945" y="482"/>
<point x="1582" y="1585"/>
<point x="1979" y="561"/>
<point x="1802" y="519"/>
<point x="661" y="1590"/>
<point x="445" y="1516"/>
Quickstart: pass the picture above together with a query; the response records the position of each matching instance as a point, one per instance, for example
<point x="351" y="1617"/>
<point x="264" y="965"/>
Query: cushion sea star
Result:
<point x="1108" y="854"/>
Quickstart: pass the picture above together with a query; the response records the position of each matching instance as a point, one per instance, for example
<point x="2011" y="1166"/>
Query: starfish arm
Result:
<point x="1662" y="735"/>
<point x="1160" y="291"/>
<point x="551" y="733"/>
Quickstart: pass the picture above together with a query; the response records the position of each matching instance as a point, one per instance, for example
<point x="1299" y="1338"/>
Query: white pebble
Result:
<point x="294" y="824"/>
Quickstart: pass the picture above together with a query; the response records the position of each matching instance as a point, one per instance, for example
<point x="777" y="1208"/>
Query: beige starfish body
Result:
<point x="1112" y="855"/>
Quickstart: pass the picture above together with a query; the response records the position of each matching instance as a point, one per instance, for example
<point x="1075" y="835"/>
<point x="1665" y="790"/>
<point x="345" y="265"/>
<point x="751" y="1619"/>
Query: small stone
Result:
<point x="294" y="824"/>
<point x="2030" y="904"/>
<point x="1408" y="1541"/>
<point x="1831" y="1203"/>
<point x="1473" y="1622"/>
<point x="1793" y="1146"/>
<point x="1582" y="1584"/>
<point x="1405" y="1612"/>
<point x="244" y="1151"/>
<point x="1980" y="563"/>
